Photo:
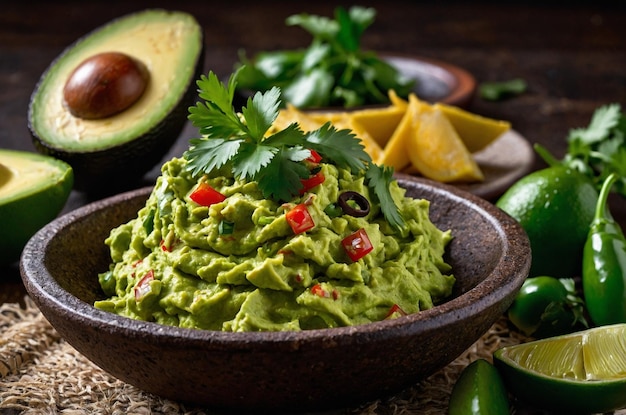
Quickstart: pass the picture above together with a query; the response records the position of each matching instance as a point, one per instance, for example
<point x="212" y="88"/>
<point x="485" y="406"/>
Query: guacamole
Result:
<point x="238" y="264"/>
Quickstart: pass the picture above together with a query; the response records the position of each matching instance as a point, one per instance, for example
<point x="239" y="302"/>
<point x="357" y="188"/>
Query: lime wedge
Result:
<point x="582" y="372"/>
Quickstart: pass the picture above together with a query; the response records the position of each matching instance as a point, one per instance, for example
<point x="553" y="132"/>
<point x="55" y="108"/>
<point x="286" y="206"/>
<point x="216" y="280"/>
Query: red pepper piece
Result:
<point x="143" y="286"/>
<point x="307" y="184"/>
<point x="205" y="195"/>
<point x="164" y="247"/>
<point x="394" y="311"/>
<point x="299" y="219"/>
<point x="314" y="157"/>
<point x="357" y="245"/>
<point x="319" y="291"/>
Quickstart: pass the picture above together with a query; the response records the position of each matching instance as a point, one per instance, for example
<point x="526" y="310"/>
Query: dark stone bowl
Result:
<point x="278" y="371"/>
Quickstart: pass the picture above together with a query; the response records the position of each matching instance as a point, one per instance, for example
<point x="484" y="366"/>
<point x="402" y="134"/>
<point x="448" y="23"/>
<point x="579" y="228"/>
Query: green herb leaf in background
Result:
<point x="496" y="91"/>
<point x="598" y="149"/>
<point x="333" y="70"/>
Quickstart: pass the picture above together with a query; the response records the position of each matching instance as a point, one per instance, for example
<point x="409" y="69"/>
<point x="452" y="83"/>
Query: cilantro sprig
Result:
<point x="598" y="149"/>
<point x="334" y="70"/>
<point x="243" y="143"/>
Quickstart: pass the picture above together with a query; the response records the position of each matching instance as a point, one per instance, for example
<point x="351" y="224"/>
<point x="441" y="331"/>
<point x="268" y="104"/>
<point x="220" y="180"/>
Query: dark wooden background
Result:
<point x="572" y="56"/>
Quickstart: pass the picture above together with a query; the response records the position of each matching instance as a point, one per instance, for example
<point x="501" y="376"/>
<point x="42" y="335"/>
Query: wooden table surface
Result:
<point x="572" y="57"/>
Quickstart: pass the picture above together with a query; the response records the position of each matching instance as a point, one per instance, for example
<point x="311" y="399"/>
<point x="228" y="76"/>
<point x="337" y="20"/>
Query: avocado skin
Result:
<point x="122" y="166"/>
<point x="23" y="217"/>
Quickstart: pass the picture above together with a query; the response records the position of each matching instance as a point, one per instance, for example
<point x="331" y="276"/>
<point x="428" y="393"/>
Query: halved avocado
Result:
<point x="33" y="190"/>
<point x="109" y="152"/>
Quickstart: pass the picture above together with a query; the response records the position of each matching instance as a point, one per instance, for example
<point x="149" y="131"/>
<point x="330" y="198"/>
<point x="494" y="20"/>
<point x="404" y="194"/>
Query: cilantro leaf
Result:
<point x="598" y="149"/>
<point x="261" y="111"/>
<point x="499" y="90"/>
<point x="280" y="179"/>
<point x="205" y="155"/>
<point x="342" y="147"/>
<point x="319" y="26"/>
<point x="213" y="91"/>
<point x="352" y="24"/>
<point x="291" y="135"/>
<point x="310" y="89"/>
<point x="379" y="179"/>
<point x="603" y="120"/>
<point x="251" y="159"/>
<point x="212" y="122"/>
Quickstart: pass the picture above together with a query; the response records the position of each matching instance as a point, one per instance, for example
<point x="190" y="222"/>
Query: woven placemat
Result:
<point x="40" y="373"/>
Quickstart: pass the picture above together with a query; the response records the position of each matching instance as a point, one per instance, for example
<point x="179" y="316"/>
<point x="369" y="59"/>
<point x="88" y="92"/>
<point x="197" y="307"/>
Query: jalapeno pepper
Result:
<point x="604" y="264"/>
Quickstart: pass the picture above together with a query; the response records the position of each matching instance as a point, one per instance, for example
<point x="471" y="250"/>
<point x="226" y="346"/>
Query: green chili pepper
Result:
<point x="148" y="222"/>
<point x="604" y="264"/>
<point x="265" y="220"/>
<point x="333" y="210"/>
<point x="107" y="282"/>
<point x="225" y="228"/>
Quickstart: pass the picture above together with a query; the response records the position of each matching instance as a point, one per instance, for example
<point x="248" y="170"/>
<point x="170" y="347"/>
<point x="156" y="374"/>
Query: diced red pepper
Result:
<point x="314" y="157"/>
<point x="143" y="286"/>
<point x="164" y="247"/>
<point x="309" y="183"/>
<point x="299" y="219"/>
<point x="205" y="195"/>
<point x="319" y="291"/>
<point x="357" y="245"/>
<point x="395" y="311"/>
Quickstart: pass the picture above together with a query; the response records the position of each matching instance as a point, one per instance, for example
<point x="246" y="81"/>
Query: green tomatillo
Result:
<point x="604" y="264"/>
<point x="547" y="306"/>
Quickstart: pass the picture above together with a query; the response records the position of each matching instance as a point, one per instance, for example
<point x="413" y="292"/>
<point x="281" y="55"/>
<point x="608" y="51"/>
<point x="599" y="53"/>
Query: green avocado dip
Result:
<point x="172" y="265"/>
<point x="214" y="250"/>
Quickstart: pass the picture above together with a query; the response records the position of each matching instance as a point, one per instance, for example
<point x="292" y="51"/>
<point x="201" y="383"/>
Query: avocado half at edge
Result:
<point x="110" y="153"/>
<point x="33" y="190"/>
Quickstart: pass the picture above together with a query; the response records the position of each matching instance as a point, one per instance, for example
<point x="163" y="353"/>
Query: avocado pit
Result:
<point x="104" y="85"/>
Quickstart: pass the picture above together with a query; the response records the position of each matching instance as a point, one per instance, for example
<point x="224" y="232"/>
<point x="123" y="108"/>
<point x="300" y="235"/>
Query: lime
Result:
<point x="555" y="206"/>
<point x="582" y="372"/>
<point x="479" y="391"/>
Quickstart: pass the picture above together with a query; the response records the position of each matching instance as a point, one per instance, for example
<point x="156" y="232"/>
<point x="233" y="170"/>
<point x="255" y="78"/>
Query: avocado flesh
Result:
<point x="33" y="190"/>
<point x="126" y="145"/>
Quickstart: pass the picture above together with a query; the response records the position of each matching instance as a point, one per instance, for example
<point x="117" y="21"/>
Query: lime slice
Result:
<point x="582" y="372"/>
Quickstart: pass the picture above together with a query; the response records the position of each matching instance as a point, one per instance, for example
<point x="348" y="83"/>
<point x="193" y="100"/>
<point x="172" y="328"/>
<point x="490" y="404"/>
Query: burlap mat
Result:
<point x="42" y="374"/>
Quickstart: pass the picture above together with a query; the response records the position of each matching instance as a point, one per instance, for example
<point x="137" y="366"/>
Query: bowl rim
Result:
<point x="461" y="82"/>
<point x="41" y="285"/>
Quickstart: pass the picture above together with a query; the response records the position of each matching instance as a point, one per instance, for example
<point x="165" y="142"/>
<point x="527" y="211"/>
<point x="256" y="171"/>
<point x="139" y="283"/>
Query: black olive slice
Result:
<point x="354" y="204"/>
